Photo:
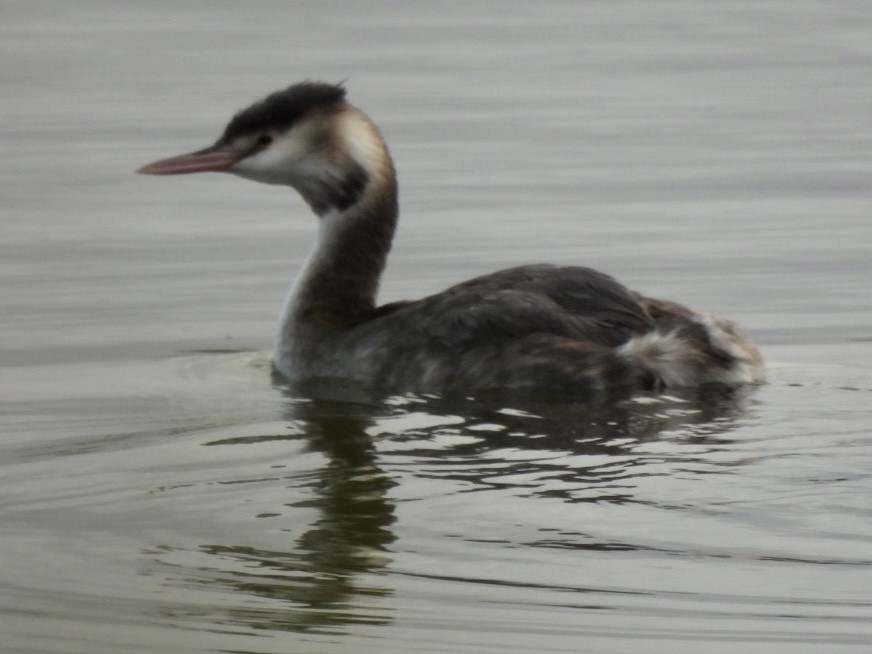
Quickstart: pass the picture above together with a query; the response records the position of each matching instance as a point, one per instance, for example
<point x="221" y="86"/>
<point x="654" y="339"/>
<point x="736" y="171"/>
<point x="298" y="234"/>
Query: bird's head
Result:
<point x="305" y="136"/>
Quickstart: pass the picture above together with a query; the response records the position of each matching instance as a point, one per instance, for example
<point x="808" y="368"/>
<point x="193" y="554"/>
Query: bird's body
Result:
<point x="530" y="327"/>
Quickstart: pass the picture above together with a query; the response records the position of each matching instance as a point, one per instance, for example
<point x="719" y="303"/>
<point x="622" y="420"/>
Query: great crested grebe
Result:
<point x="530" y="327"/>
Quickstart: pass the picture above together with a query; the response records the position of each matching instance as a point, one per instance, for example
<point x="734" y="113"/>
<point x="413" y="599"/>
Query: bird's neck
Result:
<point x="337" y="287"/>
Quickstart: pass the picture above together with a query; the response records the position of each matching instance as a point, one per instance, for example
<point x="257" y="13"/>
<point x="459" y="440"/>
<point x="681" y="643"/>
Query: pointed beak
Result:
<point x="209" y="160"/>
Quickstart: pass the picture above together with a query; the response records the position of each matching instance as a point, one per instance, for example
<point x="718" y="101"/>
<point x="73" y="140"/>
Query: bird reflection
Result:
<point x="582" y="452"/>
<point x="327" y="579"/>
<point x="331" y="576"/>
<point x="355" y="514"/>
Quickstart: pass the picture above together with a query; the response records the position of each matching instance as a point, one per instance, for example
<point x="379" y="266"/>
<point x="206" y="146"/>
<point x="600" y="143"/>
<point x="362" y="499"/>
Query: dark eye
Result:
<point x="262" y="141"/>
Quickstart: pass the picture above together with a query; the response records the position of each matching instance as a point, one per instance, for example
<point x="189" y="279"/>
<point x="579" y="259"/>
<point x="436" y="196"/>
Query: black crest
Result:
<point x="283" y="108"/>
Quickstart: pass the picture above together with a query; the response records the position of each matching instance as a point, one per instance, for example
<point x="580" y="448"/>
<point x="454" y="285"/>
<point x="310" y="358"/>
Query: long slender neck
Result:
<point x="337" y="287"/>
<point x="354" y="193"/>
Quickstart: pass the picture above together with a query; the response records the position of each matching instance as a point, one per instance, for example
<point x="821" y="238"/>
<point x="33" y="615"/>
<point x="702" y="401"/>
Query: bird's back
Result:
<point x="530" y="326"/>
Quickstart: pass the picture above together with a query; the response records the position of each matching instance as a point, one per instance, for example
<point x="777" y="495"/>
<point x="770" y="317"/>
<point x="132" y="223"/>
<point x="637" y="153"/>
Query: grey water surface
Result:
<point x="160" y="492"/>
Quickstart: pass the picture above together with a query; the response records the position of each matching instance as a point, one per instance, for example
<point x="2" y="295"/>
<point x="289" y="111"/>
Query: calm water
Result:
<point x="161" y="493"/>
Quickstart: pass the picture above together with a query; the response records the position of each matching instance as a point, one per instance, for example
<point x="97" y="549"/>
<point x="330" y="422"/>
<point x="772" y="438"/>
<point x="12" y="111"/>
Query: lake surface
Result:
<point x="161" y="492"/>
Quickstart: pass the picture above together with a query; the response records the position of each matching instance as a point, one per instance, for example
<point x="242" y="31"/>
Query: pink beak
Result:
<point x="202" y="161"/>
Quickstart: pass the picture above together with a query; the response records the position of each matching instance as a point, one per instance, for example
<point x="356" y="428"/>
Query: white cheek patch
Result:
<point x="278" y="163"/>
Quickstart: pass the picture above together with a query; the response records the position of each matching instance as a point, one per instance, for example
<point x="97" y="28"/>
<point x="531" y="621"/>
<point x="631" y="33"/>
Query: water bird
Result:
<point x="535" y="327"/>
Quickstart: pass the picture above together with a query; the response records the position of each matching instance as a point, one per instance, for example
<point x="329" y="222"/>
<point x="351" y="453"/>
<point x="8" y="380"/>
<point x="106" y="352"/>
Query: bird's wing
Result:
<point x="572" y="302"/>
